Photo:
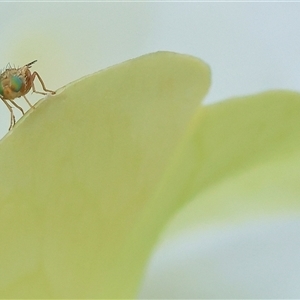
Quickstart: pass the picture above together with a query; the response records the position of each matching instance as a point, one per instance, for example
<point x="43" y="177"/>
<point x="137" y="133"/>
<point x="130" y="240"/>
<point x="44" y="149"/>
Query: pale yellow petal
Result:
<point x="78" y="172"/>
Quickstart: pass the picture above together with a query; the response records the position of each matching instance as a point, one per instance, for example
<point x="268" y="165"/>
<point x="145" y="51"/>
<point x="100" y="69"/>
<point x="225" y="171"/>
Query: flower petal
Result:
<point x="77" y="172"/>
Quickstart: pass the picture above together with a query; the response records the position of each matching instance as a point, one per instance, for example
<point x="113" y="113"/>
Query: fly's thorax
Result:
<point x="25" y="76"/>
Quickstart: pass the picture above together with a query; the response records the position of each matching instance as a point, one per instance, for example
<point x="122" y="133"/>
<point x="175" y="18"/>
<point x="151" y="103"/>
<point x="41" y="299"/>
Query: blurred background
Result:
<point x="250" y="47"/>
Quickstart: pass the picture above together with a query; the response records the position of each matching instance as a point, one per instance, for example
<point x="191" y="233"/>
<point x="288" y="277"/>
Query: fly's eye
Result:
<point x="16" y="83"/>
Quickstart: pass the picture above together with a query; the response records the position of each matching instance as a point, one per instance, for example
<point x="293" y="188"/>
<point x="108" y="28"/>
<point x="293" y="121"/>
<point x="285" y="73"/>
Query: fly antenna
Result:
<point x="29" y="65"/>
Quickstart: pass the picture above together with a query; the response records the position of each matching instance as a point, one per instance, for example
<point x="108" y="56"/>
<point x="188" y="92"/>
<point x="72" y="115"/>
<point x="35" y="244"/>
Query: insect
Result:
<point x="17" y="82"/>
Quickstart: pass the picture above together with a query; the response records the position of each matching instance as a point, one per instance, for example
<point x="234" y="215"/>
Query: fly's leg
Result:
<point x="28" y="102"/>
<point x="12" y="116"/>
<point x="36" y="74"/>
<point x="17" y="106"/>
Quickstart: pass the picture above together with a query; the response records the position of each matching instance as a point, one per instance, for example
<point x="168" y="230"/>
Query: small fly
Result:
<point x="17" y="82"/>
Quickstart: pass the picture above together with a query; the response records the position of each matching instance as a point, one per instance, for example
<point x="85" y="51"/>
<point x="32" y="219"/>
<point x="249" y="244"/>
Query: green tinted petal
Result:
<point x="240" y="159"/>
<point x="78" y="172"/>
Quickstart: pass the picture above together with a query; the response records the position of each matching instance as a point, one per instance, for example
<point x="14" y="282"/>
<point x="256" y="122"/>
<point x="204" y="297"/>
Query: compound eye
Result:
<point x="16" y="83"/>
<point x="1" y="90"/>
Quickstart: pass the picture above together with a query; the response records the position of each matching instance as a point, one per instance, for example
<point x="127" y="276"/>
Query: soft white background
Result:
<point x="251" y="47"/>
